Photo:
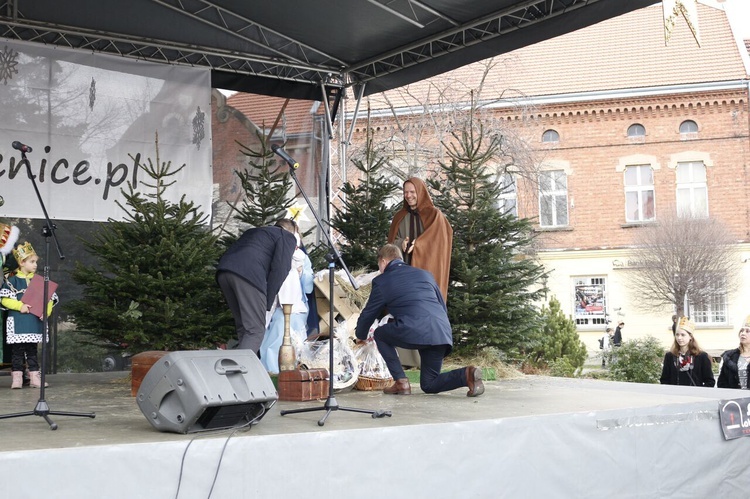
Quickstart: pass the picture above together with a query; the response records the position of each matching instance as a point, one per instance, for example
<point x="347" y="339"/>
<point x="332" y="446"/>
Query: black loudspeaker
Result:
<point x="191" y="391"/>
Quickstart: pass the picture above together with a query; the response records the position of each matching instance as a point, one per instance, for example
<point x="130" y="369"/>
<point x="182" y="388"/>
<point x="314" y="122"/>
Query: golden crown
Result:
<point x="687" y="325"/>
<point x="23" y="251"/>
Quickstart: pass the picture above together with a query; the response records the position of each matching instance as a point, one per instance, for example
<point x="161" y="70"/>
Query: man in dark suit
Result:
<point x="420" y="322"/>
<point x="250" y="274"/>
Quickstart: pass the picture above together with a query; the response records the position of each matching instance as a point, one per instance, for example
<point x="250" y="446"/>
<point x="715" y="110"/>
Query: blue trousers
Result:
<point x="431" y="380"/>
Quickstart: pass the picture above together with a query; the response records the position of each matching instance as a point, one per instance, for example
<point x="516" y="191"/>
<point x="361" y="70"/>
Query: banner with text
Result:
<point x="88" y="121"/>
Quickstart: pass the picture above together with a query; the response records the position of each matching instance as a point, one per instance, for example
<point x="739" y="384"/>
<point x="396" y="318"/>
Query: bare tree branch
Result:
<point x="683" y="257"/>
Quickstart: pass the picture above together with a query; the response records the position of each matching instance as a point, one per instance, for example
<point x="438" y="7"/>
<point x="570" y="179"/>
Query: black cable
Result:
<point x="221" y="456"/>
<point x="246" y="425"/>
<point x="182" y="466"/>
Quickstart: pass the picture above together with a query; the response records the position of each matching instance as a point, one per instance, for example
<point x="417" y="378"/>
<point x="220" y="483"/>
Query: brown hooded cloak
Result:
<point x="431" y="233"/>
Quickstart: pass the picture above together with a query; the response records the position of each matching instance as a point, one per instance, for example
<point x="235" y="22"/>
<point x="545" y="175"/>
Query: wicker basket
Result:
<point x="367" y="383"/>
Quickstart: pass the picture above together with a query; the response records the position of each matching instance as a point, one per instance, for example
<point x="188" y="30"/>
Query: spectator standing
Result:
<point x="605" y="345"/>
<point x="735" y="363"/>
<point x="685" y="363"/>
<point x="617" y="339"/>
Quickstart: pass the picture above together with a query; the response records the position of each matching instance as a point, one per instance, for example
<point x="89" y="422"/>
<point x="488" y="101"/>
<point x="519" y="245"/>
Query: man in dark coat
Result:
<point x="250" y="274"/>
<point x="420" y="322"/>
<point x="617" y="339"/>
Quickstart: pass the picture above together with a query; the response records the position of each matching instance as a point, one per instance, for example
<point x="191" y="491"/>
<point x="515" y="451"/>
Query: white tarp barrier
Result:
<point x="89" y="119"/>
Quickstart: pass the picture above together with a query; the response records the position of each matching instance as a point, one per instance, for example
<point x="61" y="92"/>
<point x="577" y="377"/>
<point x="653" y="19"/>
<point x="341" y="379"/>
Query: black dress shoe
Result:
<point x="474" y="381"/>
<point x="399" y="387"/>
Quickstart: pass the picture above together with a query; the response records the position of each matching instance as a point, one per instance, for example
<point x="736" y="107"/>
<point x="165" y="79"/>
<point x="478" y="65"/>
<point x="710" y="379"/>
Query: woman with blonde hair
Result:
<point x="736" y="362"/>
<point x="685" y="363"/>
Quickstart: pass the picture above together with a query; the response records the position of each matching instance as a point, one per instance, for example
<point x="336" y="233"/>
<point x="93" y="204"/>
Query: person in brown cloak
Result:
<point x="423" y="233"/>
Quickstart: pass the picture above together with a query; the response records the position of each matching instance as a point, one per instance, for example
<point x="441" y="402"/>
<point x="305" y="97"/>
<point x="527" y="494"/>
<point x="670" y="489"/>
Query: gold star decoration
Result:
<point x="297" y="213"/>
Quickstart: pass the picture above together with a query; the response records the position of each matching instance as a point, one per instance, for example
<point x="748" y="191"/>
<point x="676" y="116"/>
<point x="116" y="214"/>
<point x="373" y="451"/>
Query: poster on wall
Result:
<point x="589" y="301"/>
<point x="85" y="122"/>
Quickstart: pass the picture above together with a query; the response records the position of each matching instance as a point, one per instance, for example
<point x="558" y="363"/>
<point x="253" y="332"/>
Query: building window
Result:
<point x="714" y="311"/>
<point x="553" y="199"/>
<point x="688" y="126"/>
<point x="550" y="136"/>
<point x="692" y="192"/>
<point x="639" y="193"/>
<point x="636" y="130"/>
<point x="590" y="299"/>
<point x="507" y="197"/>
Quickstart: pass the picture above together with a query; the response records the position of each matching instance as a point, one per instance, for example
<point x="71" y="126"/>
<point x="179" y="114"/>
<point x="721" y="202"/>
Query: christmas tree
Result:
<point x="365" y="217"/>
<point x="494" y="281"/>
<point x="267" y="187"/>
<point x="151" y="286"/>
<point x="560" y="340"/>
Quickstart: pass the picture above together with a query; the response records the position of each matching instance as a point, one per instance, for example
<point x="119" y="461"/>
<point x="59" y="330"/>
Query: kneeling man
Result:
<point x="420" y="322"/>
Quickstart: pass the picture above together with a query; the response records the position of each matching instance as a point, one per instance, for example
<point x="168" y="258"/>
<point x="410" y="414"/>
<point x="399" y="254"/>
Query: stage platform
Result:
<point x="525" y="437"/>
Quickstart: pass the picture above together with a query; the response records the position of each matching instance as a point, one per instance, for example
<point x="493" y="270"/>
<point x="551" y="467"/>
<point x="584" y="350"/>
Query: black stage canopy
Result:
<point x="288" y="48"/>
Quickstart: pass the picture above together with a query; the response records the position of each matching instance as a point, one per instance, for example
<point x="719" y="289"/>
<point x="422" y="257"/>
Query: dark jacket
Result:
<point x="262" y="256"/>
<point x="729" y="376"/>
<point x="413" y="298"/>
<point x="700" y="375"/>
<point x="617" y="338"/>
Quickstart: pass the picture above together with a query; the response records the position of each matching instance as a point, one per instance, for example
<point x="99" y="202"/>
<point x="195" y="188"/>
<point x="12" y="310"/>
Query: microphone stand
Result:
<point x="42" y="408"/>
<point x="332" y="257"/>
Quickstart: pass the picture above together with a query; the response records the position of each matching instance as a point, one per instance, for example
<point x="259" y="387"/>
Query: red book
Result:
<point x="34" y="295"/>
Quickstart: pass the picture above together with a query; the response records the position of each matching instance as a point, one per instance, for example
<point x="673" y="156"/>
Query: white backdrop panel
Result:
<point x="89" y="119"/>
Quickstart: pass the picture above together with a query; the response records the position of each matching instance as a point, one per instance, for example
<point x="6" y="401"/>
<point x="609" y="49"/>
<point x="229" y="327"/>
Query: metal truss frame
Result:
<point x="280" y="56"/>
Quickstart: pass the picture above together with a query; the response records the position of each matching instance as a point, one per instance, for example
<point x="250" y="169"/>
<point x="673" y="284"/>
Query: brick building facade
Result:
<point x="623" y="128"/>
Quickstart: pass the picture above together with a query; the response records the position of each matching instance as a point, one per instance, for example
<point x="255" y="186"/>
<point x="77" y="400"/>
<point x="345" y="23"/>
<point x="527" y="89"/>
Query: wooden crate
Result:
<point x="344" y="310"/>
<point x="141" y="363"/>
<point x="300" y="385"/>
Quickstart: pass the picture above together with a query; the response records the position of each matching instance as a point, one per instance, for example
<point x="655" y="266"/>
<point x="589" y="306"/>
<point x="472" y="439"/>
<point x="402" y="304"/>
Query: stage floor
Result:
<point x="526" y="437"/>
<point x="118" y="419"/>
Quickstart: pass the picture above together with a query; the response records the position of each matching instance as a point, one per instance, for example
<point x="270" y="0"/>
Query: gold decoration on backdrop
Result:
<point x="673" y="9"/>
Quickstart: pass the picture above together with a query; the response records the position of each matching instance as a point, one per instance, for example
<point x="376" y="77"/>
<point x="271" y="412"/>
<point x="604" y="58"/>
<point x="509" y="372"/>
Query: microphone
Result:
<point x="21" y="147"/>
<point x="282" y="154"/>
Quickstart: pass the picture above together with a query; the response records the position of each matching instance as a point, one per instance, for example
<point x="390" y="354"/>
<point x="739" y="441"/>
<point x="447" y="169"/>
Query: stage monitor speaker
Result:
<point x="191" y="391"/>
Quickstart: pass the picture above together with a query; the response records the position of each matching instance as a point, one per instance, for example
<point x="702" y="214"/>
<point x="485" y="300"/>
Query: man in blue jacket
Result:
<point x="420" y="322"/>
<point x="250" y="274"/>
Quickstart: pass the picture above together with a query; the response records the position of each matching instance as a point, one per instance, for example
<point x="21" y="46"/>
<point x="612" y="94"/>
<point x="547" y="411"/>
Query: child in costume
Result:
<point x="8" y="238"/>
<point x="23" y="326"/>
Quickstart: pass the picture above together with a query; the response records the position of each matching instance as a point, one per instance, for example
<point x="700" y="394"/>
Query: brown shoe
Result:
<point x="399" y="387"/>
<point x="474" y="381"/>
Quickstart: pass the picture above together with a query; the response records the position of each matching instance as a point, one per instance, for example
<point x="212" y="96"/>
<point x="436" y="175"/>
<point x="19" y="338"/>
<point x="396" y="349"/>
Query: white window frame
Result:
<point x="714" y="313"/>
<point x="636" y="130"/>
<point x="593" y="314"/>
<point x="550" y="136"/>
<point x="692" y="196"/>
<point x="556" y="193"/>
<point x="508" y="197"/>
<point x="686" y="124"/>
<point x="641" y="190"/>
